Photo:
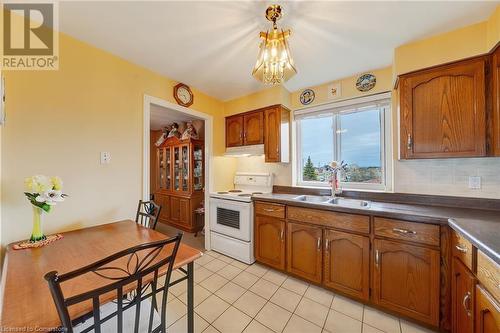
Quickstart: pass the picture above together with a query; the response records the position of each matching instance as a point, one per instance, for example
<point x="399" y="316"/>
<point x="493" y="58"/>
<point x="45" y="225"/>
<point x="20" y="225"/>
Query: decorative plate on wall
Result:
<point x="366" y="82"/>
<point x="307" y="97"/>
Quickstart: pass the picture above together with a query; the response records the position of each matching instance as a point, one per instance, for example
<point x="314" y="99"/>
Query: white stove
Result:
<point x="231" y="215"/>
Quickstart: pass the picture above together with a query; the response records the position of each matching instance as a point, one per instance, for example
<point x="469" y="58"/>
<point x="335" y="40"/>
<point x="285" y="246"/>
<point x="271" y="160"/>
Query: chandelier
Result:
<point x="274" y="63"/>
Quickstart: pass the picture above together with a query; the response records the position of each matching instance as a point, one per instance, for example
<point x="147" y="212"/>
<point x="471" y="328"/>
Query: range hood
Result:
<point x="253" y="150"/>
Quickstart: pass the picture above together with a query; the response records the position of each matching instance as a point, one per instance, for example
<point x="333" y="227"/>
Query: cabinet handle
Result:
<point x="404" y="231"/>
<point x="318" y="246"/>
<point x="466" y="304"/>
<point x="269" y="210"/>
<point x="461" y="248"/>
<point x="377" y="258"/>
<point x="327" y="244"/>
<point x="409" y="142"/>
<point x="282" y="235"/>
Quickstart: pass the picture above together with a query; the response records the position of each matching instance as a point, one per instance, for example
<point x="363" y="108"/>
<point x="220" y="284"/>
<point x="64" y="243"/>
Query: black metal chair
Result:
<point x="147" y="214"/>
<point x="136" y="268"/>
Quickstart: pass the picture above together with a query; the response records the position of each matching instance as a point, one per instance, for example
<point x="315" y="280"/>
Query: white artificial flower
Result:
<point x="50" y="197"/>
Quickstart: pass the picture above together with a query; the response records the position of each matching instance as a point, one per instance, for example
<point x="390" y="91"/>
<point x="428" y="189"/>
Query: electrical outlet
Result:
<point x="105" y="157"/>
<point x="474" y="182"/>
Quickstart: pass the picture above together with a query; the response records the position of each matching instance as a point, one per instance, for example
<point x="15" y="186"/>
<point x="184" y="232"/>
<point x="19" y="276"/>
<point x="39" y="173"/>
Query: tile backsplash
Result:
<point x="448" y="176"/>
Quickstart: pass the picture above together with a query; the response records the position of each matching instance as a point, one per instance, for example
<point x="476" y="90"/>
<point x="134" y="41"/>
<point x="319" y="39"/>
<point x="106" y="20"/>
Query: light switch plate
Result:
<point x="474" y="182"/>
<point x="105" y="157"/>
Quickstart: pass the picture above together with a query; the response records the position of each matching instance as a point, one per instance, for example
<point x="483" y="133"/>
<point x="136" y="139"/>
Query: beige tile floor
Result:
<point x="232" y="297"/>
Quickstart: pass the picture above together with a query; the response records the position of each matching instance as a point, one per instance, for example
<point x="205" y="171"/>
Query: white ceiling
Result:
<point x="213" y="45"/>
<point x="160" y="117"/>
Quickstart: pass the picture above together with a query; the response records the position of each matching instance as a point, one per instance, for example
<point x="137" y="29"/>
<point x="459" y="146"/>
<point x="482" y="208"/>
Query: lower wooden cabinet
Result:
<point x="462" y="298"/>
<point x="406" y="280"/>
<point x="347" y="263"/>
<point x="487" y="312"/>
<point x="270" y="241"/>
<point x="304" y="251"/>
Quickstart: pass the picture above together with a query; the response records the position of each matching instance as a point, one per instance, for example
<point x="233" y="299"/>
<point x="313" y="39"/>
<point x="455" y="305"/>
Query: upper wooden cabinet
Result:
<point x="253" y="128"/>
<point x="495" y="89"/>
<point x="406" y="280"/>
<point x="277" y="134"/>
<point x="269" y="126"/>
<point x="443" y="111"/>
<point x="234" y="131"/>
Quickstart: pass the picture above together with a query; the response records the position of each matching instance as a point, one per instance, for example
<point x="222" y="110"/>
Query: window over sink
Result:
<point x="356" y="132"/>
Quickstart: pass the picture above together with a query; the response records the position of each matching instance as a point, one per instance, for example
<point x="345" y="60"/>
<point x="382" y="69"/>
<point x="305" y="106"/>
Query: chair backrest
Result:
<point x="147" y="214"/>
<point x="132" y="271"/>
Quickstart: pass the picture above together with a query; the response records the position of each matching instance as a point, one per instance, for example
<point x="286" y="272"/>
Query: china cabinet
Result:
<point x="179" y="178"/>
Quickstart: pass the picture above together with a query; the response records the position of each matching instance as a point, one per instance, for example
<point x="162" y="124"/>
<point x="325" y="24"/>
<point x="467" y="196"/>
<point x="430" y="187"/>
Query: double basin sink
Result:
<point x="336" y="201"/>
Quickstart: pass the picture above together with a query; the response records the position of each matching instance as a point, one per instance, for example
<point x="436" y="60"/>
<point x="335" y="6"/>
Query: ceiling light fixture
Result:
<point x="274" y="63"/>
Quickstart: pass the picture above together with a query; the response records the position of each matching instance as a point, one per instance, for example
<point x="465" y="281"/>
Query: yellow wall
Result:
<point x="348" y="88"/>
<point x="493" y="29"/>
<point x="59" y="121"/>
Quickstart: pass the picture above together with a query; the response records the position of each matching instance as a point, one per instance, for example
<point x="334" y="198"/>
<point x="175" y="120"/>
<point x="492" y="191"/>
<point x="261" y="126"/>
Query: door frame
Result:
<point x="208" y="142"/>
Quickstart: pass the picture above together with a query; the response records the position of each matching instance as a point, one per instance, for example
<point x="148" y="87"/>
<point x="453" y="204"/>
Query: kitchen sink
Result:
<point x="353" y="203"/>
<point x="342" y="202"/>
<point x="312" y="198"/>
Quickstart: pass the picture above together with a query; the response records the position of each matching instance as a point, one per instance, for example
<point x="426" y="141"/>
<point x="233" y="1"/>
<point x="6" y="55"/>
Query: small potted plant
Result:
<point x="43" y="193"/>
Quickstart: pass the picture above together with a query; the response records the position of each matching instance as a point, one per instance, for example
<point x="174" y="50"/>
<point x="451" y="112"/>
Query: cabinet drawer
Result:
<point x="409" y="231"/>
<point x="488" y="273"/>
<point x="462" y="249"/>
<point x="350" y="222"/>
<point x="270" y="209"/>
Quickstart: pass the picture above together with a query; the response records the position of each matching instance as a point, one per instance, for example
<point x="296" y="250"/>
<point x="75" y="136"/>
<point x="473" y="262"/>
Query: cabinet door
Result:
<point x="175" y="209"/>
<point x="234" y="131"/>
<point x="163" y="201"/>
<point x="443" y="111"/>
<point x="487" y="312"/>
<point x="406" y="280"/>
<point x="270" y="241"/>
<point x="184" y="212"/>
<point x="462" y="298"/>
<point x="347" y="263"/>
<point x="253" y="128"/>
<point x="272" y="134"/>
<point x="304" y="254"/>
<point x="495" y="89"/>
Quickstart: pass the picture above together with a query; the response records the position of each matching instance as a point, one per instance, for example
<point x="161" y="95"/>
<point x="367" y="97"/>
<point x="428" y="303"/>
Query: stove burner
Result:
<point x="235" y="191"/>
<point x="222" y="192"/>
<point x="245" y="195"/>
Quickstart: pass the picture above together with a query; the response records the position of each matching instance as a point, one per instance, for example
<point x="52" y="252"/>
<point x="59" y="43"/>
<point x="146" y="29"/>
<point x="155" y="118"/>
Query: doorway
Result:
<point x="176" y="168"/>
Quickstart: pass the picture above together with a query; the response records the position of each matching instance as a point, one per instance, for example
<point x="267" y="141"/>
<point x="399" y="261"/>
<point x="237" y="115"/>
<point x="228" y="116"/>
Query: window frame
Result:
<point x="383" y="101"/>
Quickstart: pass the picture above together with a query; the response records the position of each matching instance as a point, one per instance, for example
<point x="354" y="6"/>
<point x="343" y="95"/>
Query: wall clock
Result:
<point x="366" y="82"/>
<point x="307" y="97"/>
<point x="183" y="95"/>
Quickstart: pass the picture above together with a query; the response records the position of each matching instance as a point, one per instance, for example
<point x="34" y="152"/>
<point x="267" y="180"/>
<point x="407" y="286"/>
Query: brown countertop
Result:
<point x="481" y="227"/>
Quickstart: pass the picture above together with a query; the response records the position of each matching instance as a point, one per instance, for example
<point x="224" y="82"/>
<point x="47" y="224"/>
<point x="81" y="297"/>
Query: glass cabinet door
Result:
<point x="198" y="167"/>
<point x="161" y="168"/>
<point x="185" y="168"/>
<point x="168" y="170"/>
<point x="177" y="168"/>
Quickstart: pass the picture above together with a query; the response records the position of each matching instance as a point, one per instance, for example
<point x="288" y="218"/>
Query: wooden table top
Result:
<point x="26" y="297"/>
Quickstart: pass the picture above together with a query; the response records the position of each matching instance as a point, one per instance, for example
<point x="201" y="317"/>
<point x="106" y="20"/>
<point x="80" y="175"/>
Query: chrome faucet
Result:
<point x="335" y="183"/>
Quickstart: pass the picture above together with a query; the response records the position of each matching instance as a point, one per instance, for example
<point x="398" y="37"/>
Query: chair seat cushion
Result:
<point x="111" y="326"/>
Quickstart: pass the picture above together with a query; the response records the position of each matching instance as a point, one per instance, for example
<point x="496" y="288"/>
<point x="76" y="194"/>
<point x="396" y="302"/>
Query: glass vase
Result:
<point x="37" y="232"/>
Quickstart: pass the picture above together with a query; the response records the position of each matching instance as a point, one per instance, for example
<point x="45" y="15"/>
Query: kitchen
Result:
<point x="352" y="188"/>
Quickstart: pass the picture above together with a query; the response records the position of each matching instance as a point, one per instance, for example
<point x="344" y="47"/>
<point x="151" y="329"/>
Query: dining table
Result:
<point x="27" y="305"/>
